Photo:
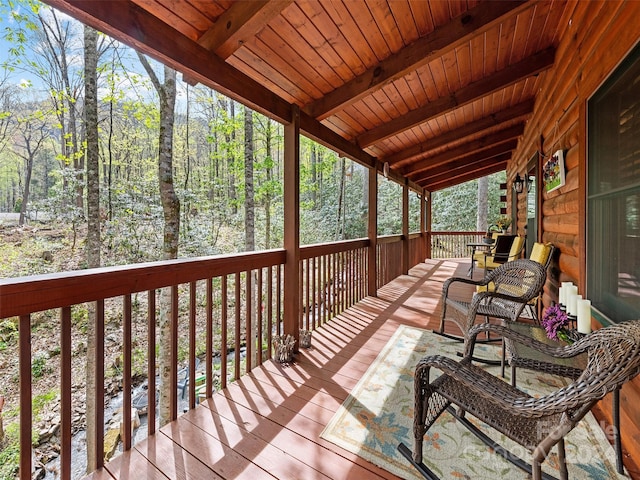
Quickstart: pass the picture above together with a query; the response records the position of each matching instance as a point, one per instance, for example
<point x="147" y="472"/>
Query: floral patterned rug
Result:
<point x="378" y="415"/>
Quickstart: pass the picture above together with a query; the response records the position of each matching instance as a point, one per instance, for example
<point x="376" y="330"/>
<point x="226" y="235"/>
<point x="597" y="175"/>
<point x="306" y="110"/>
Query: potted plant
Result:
<point x="502" y="223"/>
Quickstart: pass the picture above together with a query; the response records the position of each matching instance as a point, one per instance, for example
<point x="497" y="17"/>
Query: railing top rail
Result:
<point x="457" y="233"/>
<point x="319" y="249"/>
<point x="389" y="238"/>
<point x="24" y="295"/>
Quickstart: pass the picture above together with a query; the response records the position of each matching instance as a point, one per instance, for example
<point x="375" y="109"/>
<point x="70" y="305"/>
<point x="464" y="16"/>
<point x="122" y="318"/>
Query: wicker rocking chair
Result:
<point x="502" y="294"/>
<point x="538" y="424"/>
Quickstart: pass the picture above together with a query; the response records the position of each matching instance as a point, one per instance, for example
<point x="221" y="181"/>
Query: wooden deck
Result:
<point x="268" y="424"/>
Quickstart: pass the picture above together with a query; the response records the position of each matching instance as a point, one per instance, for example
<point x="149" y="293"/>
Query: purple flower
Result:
<point x="554" y="320"/>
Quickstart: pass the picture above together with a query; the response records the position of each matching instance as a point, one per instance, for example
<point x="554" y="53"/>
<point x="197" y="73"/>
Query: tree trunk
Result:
<point x="339" y="220"/>
<point x="314" y="177"/>
<point x="483" y="204"/>
<point x="249" y="227"/>
<point x="93" y="226"/>
<point x="171" y="210"/>
<point x="267" y="197"/>
<point x="25" y="193"/>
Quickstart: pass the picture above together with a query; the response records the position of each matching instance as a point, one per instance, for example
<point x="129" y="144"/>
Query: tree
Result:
<point x="483" y="204"/>
<point x="171" y="209"/>
<point x="93" y="223"/>
<point x="58" y="40"/>
<point x="31" y="133"/>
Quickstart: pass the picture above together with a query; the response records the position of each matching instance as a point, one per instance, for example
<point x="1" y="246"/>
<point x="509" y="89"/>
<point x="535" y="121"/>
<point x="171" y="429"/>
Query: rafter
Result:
<point x="439" y="42"/>
<point x="242" y="21"/>
<point x="502" y="118"/>
<point x="491" y="152"/>
<point x="434" y="187"/>
<point x="471" y="164"/>
<point x="508" y="76"/>
<point x="497" y="138"/>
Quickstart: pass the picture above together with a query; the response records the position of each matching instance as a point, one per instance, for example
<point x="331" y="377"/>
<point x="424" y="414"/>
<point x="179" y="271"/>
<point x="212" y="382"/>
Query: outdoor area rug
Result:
<point x="378" y="415"/>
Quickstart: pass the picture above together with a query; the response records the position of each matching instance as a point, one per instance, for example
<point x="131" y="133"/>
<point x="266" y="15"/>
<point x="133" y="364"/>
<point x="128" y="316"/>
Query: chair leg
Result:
<point x="536" y="470"/>
<point x="562" y="460"/>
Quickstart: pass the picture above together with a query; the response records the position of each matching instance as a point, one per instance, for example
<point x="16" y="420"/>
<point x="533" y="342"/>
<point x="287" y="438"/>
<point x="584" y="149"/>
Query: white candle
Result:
<point x="564" y="290"/>
<point x="572" y="295"/>
<point x="584" y="316"/>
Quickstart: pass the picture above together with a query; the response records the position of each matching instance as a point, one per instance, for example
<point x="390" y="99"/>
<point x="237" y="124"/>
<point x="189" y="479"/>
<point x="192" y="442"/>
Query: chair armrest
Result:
<point x="560" y="351"/>
<point x="578" y="396"/>
<point x="447" y="283"/>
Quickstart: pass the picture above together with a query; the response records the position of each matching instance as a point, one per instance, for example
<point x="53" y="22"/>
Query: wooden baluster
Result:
<point x="259" y="317"/>
<point x="25" y="396"/>
<point x="279" y="299"/>
<point x="270" y="271"/>
<point x="65" y="393"/>
<point x="192" y="345"/>
<point x="209" y="341"/>
<point x="126" y="372"/>
<point x="248" y="321"/>
<point x="237" y="328"/>
<point x="151" y="364"/>
<point x="98" y="393"/>
<point x="223" y="332"/>
<point x="174" y="352"/>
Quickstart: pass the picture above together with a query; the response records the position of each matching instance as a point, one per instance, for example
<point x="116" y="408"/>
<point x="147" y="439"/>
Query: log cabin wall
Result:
<point x="597" y="36"/>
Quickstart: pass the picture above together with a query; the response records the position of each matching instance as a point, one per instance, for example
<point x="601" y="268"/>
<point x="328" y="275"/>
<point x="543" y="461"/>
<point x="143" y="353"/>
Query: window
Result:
<point x="613" y="193"/>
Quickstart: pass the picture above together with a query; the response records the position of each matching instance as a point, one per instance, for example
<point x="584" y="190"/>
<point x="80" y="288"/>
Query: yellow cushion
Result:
<point x="491" y="287"/>
<point x="540" y="252"/>
<point x="516" y="246"/>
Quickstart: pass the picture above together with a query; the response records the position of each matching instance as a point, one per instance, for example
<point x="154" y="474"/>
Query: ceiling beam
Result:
<point x="437" y="43"/>
<point x="484" y="143"/>
<point x="434" y="187"/>
<point x="507" y="76"/>
<point x="491" y="152"/>
<point x="238" y="24"/>
<point x="503" y="117"/>
<point x="459" y="168"/>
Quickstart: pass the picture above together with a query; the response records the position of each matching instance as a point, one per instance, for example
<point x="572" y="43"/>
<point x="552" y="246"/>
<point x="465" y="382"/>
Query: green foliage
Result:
<point x="8" y="333"/>
<point x="454" y="208"/>
<point x="9" y="459"/>
<point x="39" y="365"/>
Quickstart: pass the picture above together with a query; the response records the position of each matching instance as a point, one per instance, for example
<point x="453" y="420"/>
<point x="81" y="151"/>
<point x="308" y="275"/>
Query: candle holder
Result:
<point x="283" y="348"/>
<point x="305" y="338"/>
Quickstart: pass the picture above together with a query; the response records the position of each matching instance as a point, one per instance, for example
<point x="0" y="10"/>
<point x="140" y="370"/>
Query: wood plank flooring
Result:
<point x="268" y="423"/>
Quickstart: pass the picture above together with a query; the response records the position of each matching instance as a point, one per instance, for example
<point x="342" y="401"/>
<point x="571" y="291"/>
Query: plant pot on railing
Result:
<point x="283" y="348"/>
<point x="305" y="338"/>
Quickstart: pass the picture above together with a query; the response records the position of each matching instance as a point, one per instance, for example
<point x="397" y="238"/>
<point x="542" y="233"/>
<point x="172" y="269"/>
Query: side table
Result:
<point x="527" y="357"/>
<point x="476" y="247"/>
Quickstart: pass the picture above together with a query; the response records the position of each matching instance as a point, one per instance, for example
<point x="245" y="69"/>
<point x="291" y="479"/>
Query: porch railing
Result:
<point x="224" y="309"/>
<point x="453" y="244"/>
<point x="212" y="304"/>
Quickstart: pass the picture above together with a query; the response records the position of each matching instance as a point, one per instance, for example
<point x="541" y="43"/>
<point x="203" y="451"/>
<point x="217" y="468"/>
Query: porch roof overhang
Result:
<point x="439" y="90"/>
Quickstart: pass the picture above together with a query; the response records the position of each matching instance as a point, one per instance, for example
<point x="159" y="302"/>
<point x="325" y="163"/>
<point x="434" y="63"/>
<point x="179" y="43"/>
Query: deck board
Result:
<point x="268" y="423"/>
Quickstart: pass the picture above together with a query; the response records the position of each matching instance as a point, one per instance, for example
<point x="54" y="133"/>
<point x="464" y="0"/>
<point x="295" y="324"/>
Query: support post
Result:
<point x="372" y="232"/>
<point x="405" y="228"/>
<point x="427" y="201"/>
<point x="423" y="224"/>
<point x="292" y="224"/>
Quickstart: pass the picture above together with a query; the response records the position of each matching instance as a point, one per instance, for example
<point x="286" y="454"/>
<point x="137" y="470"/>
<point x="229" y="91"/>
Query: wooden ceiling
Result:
<point x="440" y="90"/>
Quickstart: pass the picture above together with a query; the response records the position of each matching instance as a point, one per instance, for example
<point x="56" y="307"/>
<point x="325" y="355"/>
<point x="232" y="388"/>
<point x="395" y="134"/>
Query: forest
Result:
<point x="108" y="157"/>
<point x="225" y="161"/>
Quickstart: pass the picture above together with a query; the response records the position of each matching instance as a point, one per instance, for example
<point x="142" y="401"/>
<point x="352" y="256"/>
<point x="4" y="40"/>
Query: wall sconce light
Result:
<point x="518" y="184"/>
<point x="528" y="181"/>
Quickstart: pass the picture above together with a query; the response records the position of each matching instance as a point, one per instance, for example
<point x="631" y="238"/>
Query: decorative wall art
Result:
<point x="553" y="172"/>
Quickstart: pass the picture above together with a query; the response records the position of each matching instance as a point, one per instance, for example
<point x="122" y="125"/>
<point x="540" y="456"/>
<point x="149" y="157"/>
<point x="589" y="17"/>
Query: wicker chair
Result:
<point x="538" y="424"/>
<point x="507" y="290"/>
